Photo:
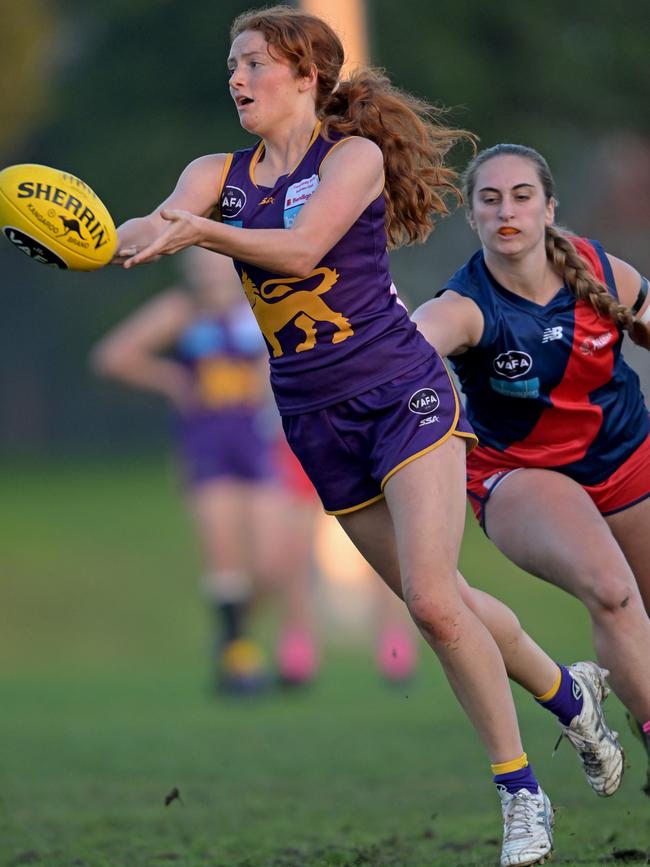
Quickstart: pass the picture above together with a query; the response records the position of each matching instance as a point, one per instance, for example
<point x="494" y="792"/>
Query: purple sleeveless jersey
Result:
<point x="341" y="330"/>
<point x="232" y="429"/>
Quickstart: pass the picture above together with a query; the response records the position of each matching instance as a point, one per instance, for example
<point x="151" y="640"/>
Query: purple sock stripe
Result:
<point x="567" y="701"/>
<point x="513" y="781"/>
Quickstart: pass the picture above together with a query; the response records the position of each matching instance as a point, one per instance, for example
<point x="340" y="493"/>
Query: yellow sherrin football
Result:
<point x="55" y="218"/>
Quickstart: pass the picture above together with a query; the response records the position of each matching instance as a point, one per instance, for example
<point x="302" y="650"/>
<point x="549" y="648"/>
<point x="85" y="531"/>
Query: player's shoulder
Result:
<point x="204" y="166"/>
<point x="471" y="279"/>
<point x="354" y="147"/>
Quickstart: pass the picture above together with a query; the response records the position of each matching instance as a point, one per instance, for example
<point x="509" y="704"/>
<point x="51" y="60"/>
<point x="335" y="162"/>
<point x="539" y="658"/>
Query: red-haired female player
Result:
<point x="340" y="169"/>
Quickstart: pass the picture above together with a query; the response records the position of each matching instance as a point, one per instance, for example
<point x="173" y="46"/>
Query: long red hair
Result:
<point x="411" y="133"/>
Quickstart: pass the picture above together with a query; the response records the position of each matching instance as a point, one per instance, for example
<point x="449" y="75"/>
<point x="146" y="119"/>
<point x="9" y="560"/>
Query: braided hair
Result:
<point x="560" y="250"/>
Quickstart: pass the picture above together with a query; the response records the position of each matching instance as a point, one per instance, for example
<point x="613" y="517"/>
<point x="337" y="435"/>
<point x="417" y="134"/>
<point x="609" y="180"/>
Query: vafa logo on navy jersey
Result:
<point x="233" y="201"/>
<point x="513" y="363"/>
<point x="424" y="401"/>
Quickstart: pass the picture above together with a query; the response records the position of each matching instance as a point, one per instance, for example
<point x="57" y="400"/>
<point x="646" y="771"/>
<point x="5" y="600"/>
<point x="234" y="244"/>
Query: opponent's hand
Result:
<point x="184" y="230"/>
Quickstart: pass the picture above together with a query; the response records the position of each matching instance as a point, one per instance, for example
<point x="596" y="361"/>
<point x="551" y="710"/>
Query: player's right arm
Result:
<point x="196" y="191"/>
<point x="132" y="352"/>
<point x="451" y="323"/>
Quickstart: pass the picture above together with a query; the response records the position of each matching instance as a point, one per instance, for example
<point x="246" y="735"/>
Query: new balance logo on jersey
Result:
<point x="552" y="334"/>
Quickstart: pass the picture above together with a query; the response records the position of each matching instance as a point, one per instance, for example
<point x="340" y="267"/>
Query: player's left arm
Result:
<point x="633" y="290"/>
<point x="352" y="176"/>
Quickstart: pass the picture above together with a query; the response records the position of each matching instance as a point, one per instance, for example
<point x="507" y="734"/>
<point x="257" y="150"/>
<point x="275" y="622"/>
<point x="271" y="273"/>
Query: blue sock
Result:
<point x="512" y="781"/>
<point x="564" y="699"/>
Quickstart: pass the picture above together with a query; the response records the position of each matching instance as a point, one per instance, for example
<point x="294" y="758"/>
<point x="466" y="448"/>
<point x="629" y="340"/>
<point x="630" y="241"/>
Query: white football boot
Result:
<point x="527" y="827"/>
<point x="597" y="746"/>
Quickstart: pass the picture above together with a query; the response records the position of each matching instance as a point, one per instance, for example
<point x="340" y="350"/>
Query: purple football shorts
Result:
<point x="225" y="445"/>
<point x="351" y="449"/>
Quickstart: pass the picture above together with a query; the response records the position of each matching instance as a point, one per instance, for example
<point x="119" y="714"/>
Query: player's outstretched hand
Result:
<point x="183" y="231"/>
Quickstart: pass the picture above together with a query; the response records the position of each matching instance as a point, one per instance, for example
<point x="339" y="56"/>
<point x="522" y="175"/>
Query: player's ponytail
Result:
<point x="414" y="140"/>
<point x="411" y="133"/>
<point x="568" y="263"/>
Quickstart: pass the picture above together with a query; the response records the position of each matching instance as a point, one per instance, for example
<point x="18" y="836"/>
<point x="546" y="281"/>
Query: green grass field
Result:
<point x="105" y="707"/>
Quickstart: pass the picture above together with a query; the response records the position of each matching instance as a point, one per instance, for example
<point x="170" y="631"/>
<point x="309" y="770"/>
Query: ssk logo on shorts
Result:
<point x="424" y="401"/>
<point x="233" y="200"/>
<point x="513" y="363"/>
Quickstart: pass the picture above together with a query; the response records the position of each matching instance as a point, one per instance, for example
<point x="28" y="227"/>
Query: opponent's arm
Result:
<point x="352" y="176"/>
<point x="451" y="323"/>
<point x="131" y="352"/>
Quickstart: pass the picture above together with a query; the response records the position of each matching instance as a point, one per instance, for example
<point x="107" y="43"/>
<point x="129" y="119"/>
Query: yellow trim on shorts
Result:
<point x="553" y="690"/>
<point x="224" y="175"/>
<point x="513" y="765"/>
<point x="450" y="432"/>
<point x="355" y="508"/>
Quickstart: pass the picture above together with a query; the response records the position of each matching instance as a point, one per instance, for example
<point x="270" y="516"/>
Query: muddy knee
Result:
<point x="437" y="619"/>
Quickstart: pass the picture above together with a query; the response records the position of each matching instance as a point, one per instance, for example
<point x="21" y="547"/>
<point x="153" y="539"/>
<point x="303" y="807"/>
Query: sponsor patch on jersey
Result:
<point x="424" y="401"/>
<point x="233" y="201"/>
<point x="526" y="388"/>
<point x="592" y="344"/>
<point x="295" y="198"/>
<point x="512" y="364"/>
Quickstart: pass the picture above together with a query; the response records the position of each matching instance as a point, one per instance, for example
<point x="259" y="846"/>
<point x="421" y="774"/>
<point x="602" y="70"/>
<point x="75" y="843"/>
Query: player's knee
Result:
<point x="436" y="618"/>
<point x="610" y="594"/>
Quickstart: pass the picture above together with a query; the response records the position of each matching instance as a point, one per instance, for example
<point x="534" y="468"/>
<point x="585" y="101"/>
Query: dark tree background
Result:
<point x="125" y="93"/>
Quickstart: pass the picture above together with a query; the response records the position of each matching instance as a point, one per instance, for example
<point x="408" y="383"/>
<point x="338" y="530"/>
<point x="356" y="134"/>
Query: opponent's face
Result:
<point x="264" y="87"/>
<point x="509" y="210"/>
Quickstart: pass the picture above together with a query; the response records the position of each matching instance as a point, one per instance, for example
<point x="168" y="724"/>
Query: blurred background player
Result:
<point x="560" y="481"/>
<point x="252" y="506"/>
<point x="254" y="509"/>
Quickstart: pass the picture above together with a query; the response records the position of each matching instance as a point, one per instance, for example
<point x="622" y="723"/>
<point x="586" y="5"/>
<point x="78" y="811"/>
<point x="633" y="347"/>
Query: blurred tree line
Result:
<point x="125" y="93"/>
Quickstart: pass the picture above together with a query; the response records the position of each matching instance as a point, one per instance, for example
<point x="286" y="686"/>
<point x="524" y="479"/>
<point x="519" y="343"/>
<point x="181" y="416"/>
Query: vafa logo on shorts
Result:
<point x="424" y="401"/>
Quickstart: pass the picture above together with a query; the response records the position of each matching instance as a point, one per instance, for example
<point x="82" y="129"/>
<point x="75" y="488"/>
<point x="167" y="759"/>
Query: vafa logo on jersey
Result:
<point x="513" y="363"/>
<point x="233" y="202"/>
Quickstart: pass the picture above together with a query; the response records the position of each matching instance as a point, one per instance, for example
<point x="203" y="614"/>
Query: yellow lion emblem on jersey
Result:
<point x="303" y="307"/>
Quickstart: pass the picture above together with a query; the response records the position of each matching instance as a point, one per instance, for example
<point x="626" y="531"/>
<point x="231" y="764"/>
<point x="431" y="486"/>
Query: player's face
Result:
<point x="264" y="87"/>
<point x="509" y="208"/>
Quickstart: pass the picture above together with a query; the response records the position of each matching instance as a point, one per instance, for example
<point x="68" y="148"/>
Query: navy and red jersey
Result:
<point x="341" y="330"/>
<point x="547" y="386"/>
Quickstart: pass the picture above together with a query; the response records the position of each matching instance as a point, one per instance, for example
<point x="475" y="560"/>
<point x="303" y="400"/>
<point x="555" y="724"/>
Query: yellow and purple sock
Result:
<point x="564" y="698"/>
<point x="515" y="775"/>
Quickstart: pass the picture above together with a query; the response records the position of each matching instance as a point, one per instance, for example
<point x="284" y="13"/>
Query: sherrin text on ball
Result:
<point x="55" y="218"/>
